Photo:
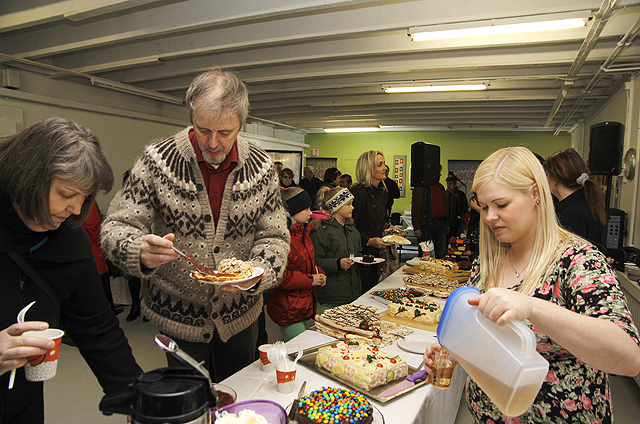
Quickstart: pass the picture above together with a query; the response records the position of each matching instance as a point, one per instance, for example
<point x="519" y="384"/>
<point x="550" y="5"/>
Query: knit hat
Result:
<point x="298" y="203"/>
<point x="339" y="200"/>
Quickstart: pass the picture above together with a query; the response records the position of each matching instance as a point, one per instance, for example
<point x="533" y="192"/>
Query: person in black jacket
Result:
<point x="580" y="207"/>
<point x="370" y="209"/>
<point x="50" y="174"/>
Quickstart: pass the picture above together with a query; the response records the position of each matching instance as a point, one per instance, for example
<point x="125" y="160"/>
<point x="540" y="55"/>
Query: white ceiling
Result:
<point x="313" y="64"/>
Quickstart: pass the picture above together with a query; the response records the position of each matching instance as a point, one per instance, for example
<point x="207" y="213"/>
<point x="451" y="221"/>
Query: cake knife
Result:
<point x="411" y="381"/>
<point x="294" y="408"/>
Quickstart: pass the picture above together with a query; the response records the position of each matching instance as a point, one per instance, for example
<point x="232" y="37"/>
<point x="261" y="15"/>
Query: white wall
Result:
<point x="623" y="107"/>
<point x="123" y="123"/>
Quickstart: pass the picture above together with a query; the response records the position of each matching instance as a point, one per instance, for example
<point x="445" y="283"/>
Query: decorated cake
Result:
<point x="417" y="310"/>
<point x="436" y="285"/>
<point x="361" y="364"/>
<point x="437" y="266"/>
<point x="358" y="322"/>
<point x="335" y="406"/>
<point x="367" y="258"/>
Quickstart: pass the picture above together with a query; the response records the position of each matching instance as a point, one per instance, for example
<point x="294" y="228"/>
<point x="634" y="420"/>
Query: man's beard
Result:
<point x="215" y="160"/>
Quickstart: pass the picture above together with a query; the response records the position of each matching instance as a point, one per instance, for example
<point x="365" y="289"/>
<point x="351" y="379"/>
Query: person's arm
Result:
<point x="125" y="227"/>
<point x="16" y="348"/>
<point x="600" y="332"/>
<point x="87" y="318"/>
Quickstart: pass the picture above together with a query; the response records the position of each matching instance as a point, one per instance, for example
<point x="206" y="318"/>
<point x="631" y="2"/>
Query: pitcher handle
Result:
<point x="528" y="345"/>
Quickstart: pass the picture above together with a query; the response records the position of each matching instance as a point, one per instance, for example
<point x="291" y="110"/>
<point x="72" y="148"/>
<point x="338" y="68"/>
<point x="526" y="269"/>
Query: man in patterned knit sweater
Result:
<point x="214" y="196"/>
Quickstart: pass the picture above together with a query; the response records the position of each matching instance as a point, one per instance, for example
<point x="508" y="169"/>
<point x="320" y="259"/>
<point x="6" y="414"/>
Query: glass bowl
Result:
<point x="272" y="411"/>
<point x="224" y="390"/>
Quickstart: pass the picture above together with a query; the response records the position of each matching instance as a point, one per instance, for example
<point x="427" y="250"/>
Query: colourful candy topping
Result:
<point x="331" y="405"/>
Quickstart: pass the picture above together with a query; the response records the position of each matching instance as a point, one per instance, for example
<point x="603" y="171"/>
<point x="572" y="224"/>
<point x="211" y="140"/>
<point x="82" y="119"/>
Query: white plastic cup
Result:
<point x="286" y="381"/>
<point x="265" y="364"/>
<point x="43" y="367"/>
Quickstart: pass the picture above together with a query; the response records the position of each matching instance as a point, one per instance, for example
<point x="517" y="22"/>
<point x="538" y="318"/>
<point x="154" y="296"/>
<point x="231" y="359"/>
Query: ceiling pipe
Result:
<point x="623" y="44"/>
<point x="130" y="89"/>
<point x="600" y="20"/>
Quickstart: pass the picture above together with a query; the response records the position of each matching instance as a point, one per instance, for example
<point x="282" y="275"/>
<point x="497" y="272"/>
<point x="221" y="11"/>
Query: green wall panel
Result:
<point x="454" y="145"/>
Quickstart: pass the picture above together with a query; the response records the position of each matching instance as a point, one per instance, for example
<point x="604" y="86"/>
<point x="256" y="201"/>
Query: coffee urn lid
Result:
<point x="166" y="396"/>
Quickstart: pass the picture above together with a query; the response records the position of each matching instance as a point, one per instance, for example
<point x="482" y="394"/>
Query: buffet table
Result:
<point x="424" y="404"/>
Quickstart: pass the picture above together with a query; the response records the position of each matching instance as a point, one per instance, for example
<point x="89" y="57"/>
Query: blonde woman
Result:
<point x="561" y="286"/>
<point x="370" y="208"/>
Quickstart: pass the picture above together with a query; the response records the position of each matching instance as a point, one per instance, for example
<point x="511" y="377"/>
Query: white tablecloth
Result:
<point x="421" y="406"/>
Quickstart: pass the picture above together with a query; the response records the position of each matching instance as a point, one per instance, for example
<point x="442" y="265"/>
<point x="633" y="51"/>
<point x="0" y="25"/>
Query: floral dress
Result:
<point x="573" y="392"/>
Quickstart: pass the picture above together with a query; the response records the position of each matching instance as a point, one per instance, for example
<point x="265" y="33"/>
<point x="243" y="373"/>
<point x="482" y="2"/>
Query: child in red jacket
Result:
<point x="294" y="300"/>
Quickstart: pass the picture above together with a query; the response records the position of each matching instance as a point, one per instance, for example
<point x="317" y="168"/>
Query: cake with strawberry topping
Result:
<point x="335" y="406"/>
<point x="417" y="310"/>
<point x="363" y="365"/>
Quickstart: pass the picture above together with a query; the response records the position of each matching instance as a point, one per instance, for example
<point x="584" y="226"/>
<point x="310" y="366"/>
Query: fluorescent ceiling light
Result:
<point x="342" y="130"/>
<point x="500" y="26"/>
<point x="136" y="91"/>
<point x="425" y="88"/>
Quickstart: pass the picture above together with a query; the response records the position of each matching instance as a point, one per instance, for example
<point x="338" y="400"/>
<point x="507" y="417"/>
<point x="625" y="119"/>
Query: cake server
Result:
<point x="411" y="381"/>
<point x="292" y="411"/>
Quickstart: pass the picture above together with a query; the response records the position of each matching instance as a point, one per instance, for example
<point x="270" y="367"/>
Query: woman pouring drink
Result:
<point x="560" y="285"/>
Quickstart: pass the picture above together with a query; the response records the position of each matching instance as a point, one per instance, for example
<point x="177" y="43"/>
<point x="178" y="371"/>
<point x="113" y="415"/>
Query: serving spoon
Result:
<point x="168" y="345"/>
<point x="20" y="319"/>
<point x="203" y="269"/>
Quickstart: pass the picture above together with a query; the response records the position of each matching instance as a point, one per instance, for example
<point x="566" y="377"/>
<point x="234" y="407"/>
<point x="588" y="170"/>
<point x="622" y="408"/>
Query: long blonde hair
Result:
<point x="366" y="167"/>
<point x="518" y="169"/>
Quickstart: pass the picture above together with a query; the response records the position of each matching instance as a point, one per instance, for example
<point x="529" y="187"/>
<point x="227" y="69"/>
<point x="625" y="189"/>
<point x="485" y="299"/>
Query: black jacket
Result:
<point x="369" y="213"/>
<point x="63" y="258"/>
<point x="574" y="215"/>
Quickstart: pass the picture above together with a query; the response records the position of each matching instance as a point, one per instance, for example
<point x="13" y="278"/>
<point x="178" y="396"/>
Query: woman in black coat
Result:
<point x="369" y="209"/>
<point x="580" y="207"/>
<point x="50" y="174"/>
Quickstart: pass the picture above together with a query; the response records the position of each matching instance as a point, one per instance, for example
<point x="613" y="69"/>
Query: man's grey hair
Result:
<point x="217" y="94"/>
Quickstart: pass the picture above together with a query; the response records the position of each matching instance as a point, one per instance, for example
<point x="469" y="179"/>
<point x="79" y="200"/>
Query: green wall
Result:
<point x="454" y="145"/>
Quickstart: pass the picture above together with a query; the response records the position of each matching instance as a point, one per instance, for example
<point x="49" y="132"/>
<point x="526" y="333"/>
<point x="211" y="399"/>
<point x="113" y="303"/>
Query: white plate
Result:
<point x="358" y="259"/>
<point x="416" y="344"/>
<point x="256" y="272"/>
<point x="413" y="261"/>
<point x="386" y="240"/>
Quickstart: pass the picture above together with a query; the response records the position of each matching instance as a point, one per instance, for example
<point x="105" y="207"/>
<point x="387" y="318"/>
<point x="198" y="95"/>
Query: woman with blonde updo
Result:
<point x="334" y="242"/>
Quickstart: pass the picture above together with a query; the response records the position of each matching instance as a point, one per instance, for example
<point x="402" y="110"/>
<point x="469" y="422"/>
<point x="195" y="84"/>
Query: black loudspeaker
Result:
<point x="425" y="164"/>
<point x="605" y="149"/>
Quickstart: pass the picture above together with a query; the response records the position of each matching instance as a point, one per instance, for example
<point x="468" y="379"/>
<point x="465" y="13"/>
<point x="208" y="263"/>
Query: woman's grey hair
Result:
<point x="217" y="94"/>
<point x="55" y="148"/>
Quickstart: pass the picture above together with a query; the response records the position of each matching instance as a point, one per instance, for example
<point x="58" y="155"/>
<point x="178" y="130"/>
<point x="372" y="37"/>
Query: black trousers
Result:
<point x="22" y="404"/>
<point x="221" y="359"/>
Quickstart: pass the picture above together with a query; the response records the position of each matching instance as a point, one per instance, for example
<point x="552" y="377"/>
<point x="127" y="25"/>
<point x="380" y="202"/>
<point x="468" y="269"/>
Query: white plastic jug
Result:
<point x="502" y="360"/>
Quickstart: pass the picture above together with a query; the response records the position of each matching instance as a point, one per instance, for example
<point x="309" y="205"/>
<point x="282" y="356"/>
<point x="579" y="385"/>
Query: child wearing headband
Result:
<point x="334" y="242"/>
<point x="294" y="300"/>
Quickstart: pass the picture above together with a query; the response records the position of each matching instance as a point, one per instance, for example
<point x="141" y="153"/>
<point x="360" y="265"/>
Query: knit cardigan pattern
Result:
<point x="165" y="194"/>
